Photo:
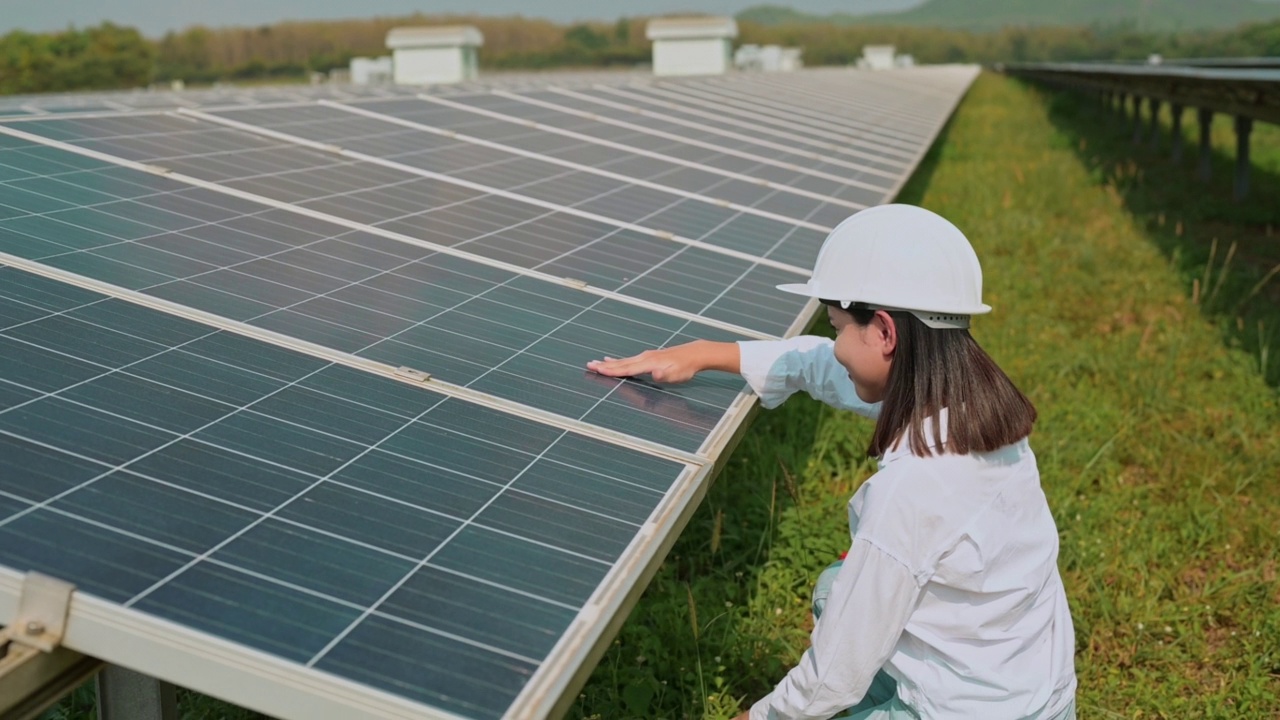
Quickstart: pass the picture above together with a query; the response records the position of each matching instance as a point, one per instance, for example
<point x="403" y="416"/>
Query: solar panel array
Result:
<point x="291" y="382"/>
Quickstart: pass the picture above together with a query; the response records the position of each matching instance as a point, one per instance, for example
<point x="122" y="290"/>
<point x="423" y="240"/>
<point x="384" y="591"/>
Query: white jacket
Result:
<point x="951" y="583"/>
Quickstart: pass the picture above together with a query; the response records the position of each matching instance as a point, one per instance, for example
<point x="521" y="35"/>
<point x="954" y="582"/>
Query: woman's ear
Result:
<point x="886" y="332"/>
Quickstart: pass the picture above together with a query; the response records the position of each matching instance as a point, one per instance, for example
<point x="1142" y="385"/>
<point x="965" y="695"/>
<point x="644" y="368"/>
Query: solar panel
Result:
<point x="291" y="385"/>
<point x="651" y="159"/>
<point x="865" y="166"/>
<point x="778" y="166"/>
<point x="556" y="239"/>
<point x="581" y="186"/>
<point x="228" y="485"/>
<point x="466" y="323"/>
<point x="736" y="114"/>
<point x="808" y="110"/>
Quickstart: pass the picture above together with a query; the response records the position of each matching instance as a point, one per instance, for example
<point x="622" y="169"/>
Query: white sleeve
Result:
<point x="777" y="369"/>
<point x="873" y="596"/>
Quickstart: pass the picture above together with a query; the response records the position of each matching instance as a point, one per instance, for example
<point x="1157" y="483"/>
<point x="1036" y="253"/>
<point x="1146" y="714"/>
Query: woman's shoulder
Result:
<point x="916" y="507"/>
<point x="940" y="480"/>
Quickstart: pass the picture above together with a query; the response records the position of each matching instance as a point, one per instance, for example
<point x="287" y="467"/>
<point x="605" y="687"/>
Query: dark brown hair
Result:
<point x="935" y="369"/>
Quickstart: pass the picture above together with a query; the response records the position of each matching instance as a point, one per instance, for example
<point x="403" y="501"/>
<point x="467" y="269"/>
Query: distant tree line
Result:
<point x="99" y="58"/>
<point x="110" y="56"/>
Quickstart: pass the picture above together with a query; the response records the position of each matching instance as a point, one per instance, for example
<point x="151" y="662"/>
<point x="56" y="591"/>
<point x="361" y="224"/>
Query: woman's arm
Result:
<point x="775" y="369"/>
<point x="675" y="364"/>
<point x="869" y="605"/>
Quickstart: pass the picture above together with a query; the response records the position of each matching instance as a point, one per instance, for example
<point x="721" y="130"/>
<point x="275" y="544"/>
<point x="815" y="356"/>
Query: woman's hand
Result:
<point x="674" y="364"/>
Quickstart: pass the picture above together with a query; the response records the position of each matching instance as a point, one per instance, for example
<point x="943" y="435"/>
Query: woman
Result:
<point x="948" y="603"/>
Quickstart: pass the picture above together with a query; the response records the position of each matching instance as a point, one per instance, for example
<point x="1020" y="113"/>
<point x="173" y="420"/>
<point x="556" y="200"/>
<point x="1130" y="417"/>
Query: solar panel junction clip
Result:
<point x="34" y="669"/>
<point x="411" y="374"/>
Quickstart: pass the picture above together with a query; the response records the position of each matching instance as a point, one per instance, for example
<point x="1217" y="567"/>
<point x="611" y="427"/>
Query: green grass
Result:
<point x="1227" y="253"/>
<point x="1157" y="442"/>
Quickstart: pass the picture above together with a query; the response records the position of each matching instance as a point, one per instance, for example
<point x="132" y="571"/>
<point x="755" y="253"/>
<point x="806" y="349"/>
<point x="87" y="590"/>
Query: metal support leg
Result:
<point x="1205" y="171"/>
<point x="1137" y="120"/>
<point x="127" y="695"/>
<point x="1153" y="106"/>
<point x="1244" y="127"/>
<point x="1176" y="131"/>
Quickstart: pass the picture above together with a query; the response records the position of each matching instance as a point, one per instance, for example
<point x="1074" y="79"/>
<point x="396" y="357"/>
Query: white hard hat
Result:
<point x="899" y="257"/>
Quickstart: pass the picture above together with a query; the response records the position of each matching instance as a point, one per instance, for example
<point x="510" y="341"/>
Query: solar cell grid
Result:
<point x="492" y="227"/>
<point x="115" y="102"/>
<point x="826" y="108"/>
<point x="467" y="325"/>
<point x="611" y="198"/>
<point x="859" y="114"/>
<point x="722" y="115"/>
<point x="809" y="171"/>
<point x="665" y="168"/>
<point x="865" y="167"/>
<point x="235" y="499"/>
<point x="490" y="166"/>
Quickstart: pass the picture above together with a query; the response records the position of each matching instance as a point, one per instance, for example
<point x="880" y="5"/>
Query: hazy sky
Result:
<point x="154" y="17"/>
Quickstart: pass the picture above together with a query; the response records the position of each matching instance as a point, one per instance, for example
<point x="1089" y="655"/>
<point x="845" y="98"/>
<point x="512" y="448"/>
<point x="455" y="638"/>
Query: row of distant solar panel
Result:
<point x="250" y="470"/>
<point x="617" y="259"/>
<point x="542" y="180"/>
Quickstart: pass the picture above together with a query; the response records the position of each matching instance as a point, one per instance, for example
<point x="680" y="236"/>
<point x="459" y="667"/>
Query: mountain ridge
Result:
<point x="980" y="15"/>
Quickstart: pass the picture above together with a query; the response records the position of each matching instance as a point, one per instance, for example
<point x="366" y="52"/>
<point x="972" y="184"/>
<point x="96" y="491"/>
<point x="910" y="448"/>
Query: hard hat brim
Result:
<point x="808" y="290"/>
<point x="799" y="289"/>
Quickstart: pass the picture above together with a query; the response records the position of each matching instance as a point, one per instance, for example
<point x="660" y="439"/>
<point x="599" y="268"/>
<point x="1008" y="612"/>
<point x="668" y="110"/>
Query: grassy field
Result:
<point x="1152" y="359"/>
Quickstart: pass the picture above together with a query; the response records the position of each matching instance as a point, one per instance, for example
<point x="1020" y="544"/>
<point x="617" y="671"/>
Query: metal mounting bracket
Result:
<point x="34" y="670"/>
<point x="42" y="612"/>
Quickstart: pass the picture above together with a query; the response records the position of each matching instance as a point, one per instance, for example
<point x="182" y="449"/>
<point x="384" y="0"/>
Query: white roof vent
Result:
<point x="438" y="36"/>
<point x="434" y="55"/>
<point x="690" y="28"/>
<point x="691" y="45"/>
